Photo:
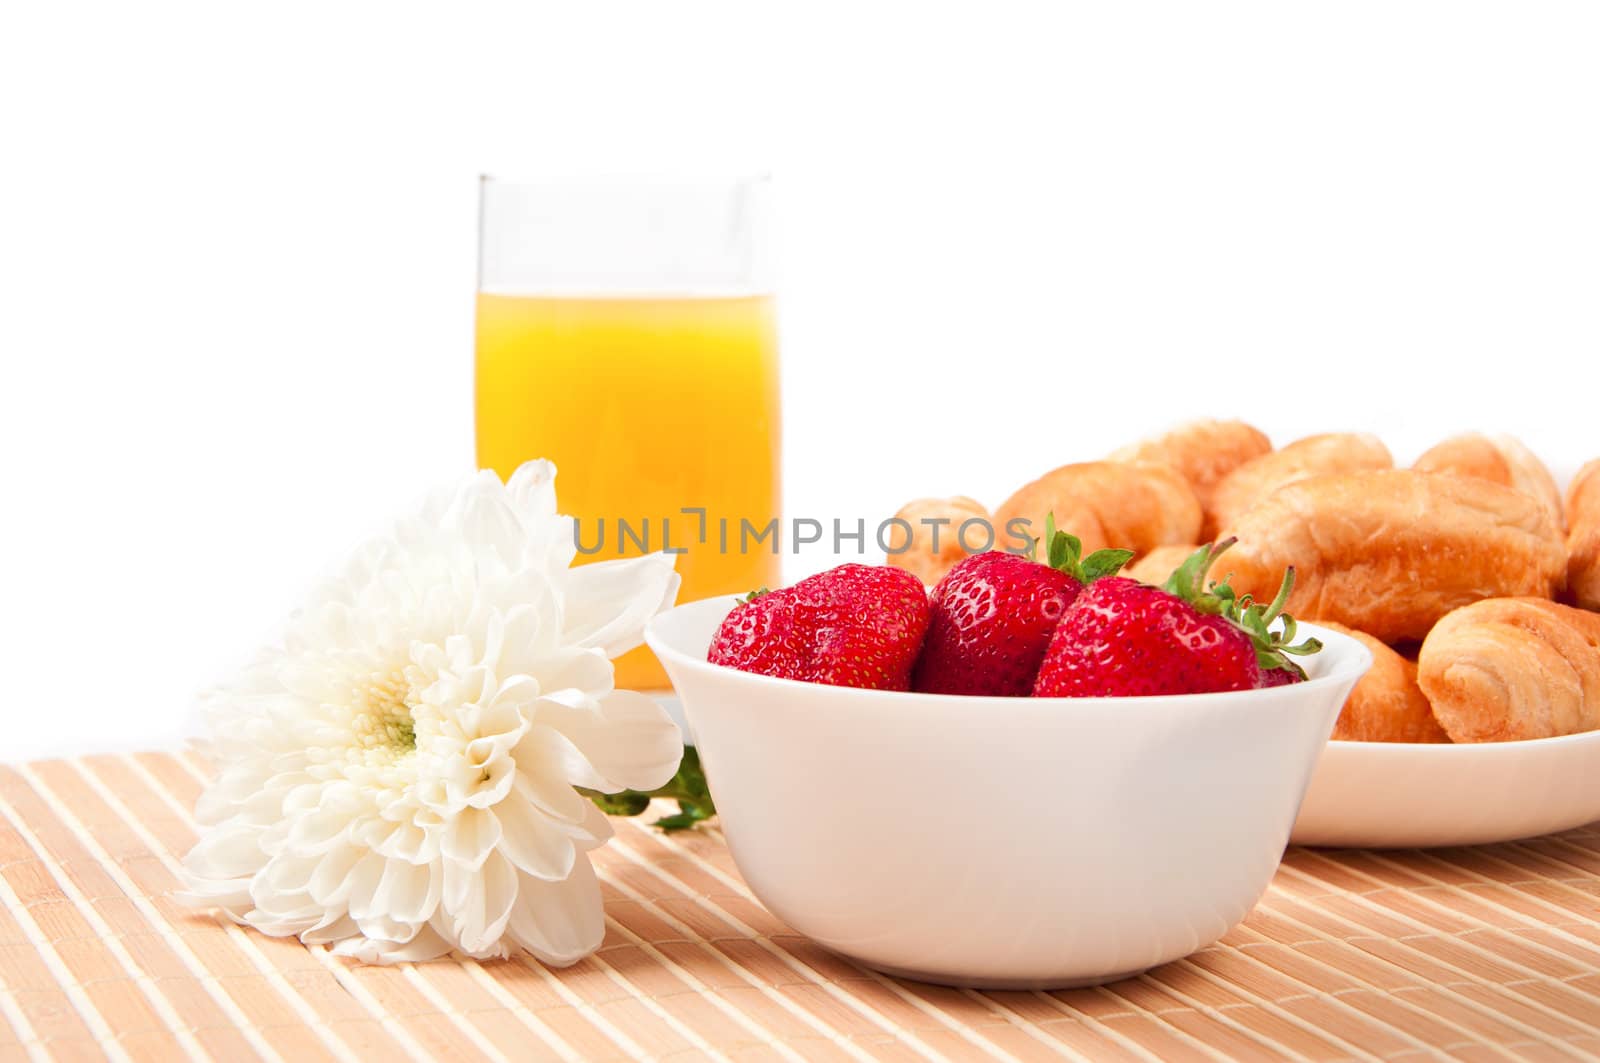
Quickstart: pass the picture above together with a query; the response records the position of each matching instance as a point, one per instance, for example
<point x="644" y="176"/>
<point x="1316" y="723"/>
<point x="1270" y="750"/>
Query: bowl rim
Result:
<point x="1357" y="660"/>
<point x="1393" y="749"/>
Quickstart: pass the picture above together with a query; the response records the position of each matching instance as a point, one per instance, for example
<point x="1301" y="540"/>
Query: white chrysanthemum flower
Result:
<point x="397" y="777"/>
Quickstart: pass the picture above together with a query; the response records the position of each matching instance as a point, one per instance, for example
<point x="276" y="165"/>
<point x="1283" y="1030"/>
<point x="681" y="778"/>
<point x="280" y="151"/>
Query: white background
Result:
<point x="237" y="261"/>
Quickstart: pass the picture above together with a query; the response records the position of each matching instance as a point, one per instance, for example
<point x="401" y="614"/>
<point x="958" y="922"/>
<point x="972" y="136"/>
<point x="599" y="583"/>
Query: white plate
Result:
<point x="1393" y="795"/>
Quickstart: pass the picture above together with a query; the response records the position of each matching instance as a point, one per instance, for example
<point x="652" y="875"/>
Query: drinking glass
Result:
<point x="626" y="331"/>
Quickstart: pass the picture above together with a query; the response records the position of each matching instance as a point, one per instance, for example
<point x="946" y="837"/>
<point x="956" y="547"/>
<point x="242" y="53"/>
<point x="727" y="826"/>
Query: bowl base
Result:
<point x="963" y="982"/>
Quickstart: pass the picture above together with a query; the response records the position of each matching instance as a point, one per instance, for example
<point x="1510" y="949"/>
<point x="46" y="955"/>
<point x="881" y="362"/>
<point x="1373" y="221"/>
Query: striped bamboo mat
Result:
<point x="1487" y="953"/>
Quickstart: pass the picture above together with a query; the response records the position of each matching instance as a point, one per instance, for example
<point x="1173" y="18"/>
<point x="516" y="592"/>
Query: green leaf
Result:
<point x="1064" y="553"/>
<point x="1285" y="589"/>
<point x="1060" y="549"/>
<point x="1188" y="581"/>
<point x="687" y="816"/>
<point x="627" y="803"/>
<point x="1241" y="610"/>
<point x="1103" y="563"/>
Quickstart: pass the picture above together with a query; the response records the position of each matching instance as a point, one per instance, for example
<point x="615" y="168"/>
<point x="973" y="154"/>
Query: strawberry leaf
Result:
<point x="1188" y="580"/>
<point x="1062" y="548"/>
<point x="1254" y="619"/>
<point x="1103" y="563"/>
<point x="1064" y="553"/>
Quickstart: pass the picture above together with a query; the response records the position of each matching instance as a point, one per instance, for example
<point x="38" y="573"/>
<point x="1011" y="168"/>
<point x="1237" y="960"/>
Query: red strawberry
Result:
<point x="993" y="615"/>
<point x="852" y="626"/>
<point x="1123" y="638"/>
<point x="1280" y="677"/>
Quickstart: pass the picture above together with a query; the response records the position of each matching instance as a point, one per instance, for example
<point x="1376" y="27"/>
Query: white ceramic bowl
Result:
<point x="1002" y="842"/>
<point x="1385" y="794"/>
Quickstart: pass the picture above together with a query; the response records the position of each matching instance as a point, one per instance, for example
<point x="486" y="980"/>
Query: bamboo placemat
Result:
<point x="1487" y="953"/>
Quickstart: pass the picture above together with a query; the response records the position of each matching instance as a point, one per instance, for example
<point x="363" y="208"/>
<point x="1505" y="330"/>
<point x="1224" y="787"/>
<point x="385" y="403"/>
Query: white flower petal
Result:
<point x="237" y="783"/>
<point x="334" y="926"/>
<point x="589" y="672"/>
<point x="627" y="739"/>
<point x="414" y="893"/>
<point x="609" y="602"/>
<point x="518" y="636"/>
<point x="479" y="904"/>
<point x="592" y="832"/>
<point x="496" y="774"/>
<point x="533" y="842"/>
<point x="365" y="878"/>
<point x="470" y="837"/>
<point x="330" y="883"/>
<point x="532" y="490"/>
<point x="403" y="900"/>
<point x="542" y="778"/>
<point x="427" y="945"/>
<point x="495" y="950"/>
<point x="547" y="745"/>
<point x="387" y="929"/>
<point x="559" y="922"/>
<point x="409" y="842"/>
<point x="502" y="717"/>
<point x="287" y="874"/>
<point x="552" y="547"/>
<point x="320" y="831"/>
<point x="484" y="516"/>
<point x="228" y="850"/>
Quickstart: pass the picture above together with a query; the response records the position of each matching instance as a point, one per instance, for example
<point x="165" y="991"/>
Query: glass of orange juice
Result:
<point x="626" y="332"/>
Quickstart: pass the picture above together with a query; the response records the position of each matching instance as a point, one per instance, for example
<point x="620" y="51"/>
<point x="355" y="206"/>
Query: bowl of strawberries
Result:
<point x="1040" y="774"/>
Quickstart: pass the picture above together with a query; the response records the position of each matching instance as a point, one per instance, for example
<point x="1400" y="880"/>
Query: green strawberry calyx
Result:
<point x="1064" y="553"/>
<point x="1273" y="648"/>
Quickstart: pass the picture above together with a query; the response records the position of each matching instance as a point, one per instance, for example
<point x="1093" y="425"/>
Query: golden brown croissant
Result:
<point x="1202" y="451"/>
<point x="1159" y="563"/>
<point x="1502" y="460"/>
<point x="1133" y="505"/>
<point x="1583" y="542"/>
<point x="917" y="555"/>
<point x="1513" y="668"/>
<point x="1311" y="456"/>
<point x="1392" y="551"/>
<point x="1387" y="705"/>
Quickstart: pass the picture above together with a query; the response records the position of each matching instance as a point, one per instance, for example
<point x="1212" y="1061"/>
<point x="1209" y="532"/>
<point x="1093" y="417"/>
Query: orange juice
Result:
<point x="647" y="406"/>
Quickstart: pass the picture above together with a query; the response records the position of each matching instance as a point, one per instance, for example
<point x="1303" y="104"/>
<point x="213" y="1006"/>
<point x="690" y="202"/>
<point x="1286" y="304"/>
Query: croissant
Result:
<point x="1390" y="552"/>
<point x="1132" y="505"/>
<point x="1202" y="451"/>
<point x="1387" y="705"/>
<point x="933" y="548"/>
<point x="1502" y="460"/>
<point x="1583" y="542"/>
<point x="1311" y="456"/>
<point x="1159" y="563"/>
<point x="1513" y="668"/>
